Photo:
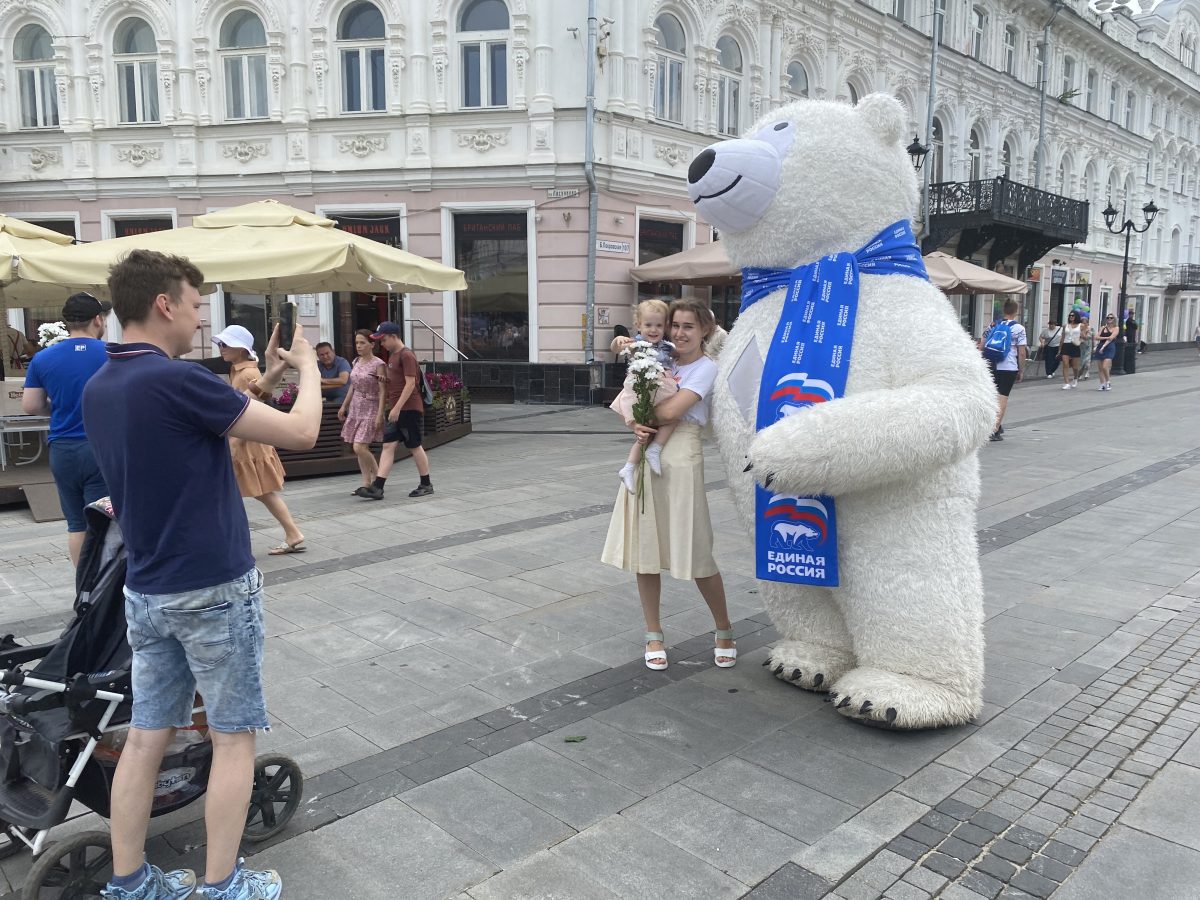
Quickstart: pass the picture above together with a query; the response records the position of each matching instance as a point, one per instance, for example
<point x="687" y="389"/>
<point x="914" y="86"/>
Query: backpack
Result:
<point x="998" y="343"/>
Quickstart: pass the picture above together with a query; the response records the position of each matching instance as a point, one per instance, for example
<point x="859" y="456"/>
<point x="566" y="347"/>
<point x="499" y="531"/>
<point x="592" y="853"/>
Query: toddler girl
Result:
<point x="650" y="319"/>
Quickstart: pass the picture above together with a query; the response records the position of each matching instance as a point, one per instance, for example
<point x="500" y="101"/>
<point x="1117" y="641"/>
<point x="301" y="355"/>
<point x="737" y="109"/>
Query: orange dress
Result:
<point x="256" y="466"/>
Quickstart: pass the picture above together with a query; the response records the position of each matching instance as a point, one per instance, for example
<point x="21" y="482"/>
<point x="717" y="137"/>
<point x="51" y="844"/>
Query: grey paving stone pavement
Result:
<point x="427" y="662"/>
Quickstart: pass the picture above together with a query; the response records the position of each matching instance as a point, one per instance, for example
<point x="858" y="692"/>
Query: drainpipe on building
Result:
<point x="589" y="172"/>
<point x="936" y="34"/>
<point x="1037" y="175"/>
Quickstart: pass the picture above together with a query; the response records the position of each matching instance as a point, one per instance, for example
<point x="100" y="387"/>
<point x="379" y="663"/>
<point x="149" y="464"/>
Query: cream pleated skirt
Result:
<point x="674" y="533"/>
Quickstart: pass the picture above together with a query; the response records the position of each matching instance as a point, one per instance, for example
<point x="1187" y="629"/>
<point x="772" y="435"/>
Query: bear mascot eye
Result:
<point x="779" y="136"/>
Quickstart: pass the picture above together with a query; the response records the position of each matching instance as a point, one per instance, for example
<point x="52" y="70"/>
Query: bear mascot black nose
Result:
<point x="701" y="164"/>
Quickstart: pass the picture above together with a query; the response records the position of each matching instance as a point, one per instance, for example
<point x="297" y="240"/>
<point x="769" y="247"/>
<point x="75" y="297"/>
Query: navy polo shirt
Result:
<point x="158" y="427"/>
<point x="61" y="370"/>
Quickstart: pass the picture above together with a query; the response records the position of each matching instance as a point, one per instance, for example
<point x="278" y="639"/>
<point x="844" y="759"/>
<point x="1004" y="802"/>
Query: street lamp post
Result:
<point x="1149" y="211"/>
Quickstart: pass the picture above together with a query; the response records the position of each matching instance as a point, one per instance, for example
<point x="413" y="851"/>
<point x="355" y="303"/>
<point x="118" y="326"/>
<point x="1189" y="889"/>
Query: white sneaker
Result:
<point x="1066" y="387"/>
<point x="1074" y="382"/>
<point x="1049" y="376"/>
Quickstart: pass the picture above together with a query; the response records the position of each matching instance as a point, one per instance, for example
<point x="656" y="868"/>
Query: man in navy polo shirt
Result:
<point x="193" y="597"/>
<point x="54" y="386"/>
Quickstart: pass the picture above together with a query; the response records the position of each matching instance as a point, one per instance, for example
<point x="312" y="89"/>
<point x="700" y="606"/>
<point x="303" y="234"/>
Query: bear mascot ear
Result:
<point x="884" y="114"/>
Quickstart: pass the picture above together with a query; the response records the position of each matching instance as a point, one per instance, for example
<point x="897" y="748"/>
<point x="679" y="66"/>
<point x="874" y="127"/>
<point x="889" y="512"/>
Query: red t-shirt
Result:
<point x="402" y="365"/>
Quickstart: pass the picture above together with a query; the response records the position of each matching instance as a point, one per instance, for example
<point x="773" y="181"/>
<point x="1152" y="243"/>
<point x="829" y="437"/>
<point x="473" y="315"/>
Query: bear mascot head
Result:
<point x="849" y="408"/>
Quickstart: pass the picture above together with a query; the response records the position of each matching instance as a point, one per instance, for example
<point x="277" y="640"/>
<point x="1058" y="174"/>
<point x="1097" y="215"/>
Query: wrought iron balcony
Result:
<point x="1184" y="278"/>
<point x="1014" y="217"/>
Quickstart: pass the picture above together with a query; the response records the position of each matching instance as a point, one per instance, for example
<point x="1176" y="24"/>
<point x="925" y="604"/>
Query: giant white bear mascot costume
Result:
<point x="849" y="408"/>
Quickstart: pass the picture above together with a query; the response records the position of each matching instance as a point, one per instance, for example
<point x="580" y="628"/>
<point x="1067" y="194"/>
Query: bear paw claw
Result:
<point x="806" y="666"/>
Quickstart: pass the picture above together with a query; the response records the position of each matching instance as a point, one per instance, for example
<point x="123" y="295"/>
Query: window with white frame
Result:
<point x="34" y="55"/>
<point x="853" y="92"/>
<point x="483" y="47"/>
<point x="1130" y="109"/>
<point x="900" y="10"/>
<point x="1010" y="50"/>
<point x="975" y="155"/>
<point x="243" y="46"/>
<point x="729" y="85"/>
<point x="937" y="152"/>
<point x="1187" y="51"/>
<point x="136" y="53"/>
<point x="1089" y="97"/>
<point x="360" y="34"/>
<point x="797" y="84"/>
<point x="939" y="20"/>
<point x="1068" y="78"/>
<point x="978" y="32"/>
<point x="1006" y="159"/>
<point x="1113" y="92"/>
<point x="668" y="63"/>
<point x="1039" y="65"/>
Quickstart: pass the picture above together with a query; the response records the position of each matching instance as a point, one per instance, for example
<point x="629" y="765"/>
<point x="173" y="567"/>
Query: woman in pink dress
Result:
<point x="362" y="409"/>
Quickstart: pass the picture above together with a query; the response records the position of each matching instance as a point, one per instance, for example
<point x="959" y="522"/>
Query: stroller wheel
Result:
<point x="278" y="787"/>
<point x="76" y="868"/>
<point x="9" y="844"/>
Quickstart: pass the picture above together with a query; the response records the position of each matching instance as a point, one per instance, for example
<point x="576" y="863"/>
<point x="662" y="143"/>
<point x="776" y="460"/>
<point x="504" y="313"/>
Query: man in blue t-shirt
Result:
<point x="193" y="597"/>
<point x="54" y="387"/>
<point x="335" y="373"/>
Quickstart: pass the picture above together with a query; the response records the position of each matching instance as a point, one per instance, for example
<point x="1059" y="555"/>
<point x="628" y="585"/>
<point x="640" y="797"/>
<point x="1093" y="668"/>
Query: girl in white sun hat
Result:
<point x="256" y="466"/>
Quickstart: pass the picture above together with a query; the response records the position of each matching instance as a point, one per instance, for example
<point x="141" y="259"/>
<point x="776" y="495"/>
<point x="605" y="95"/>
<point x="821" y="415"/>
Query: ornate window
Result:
<point x="243" y="45"/>
<point x="853" y="92"/>
<point x="797" y="83"/>
<point x="1010" y="50"/>
<point x="729" y="85"/>
<point x="975" y="155"/>
<point x="136" y="52"/>
<point x="1130" y="109"/>
<point x="978" y="32"/>
<point x="34" y="56"/>
<point x="1089" y="95"/>
<point x="360" y="35"/>
<point x="1039" y="65"/>
<point x="668" y="77"/>
<point x="1113" y="91"/>
<point x="1068" y="77"/>
<point x="900" y="10"/>
<point x="1187" y="51"/>
<point x="483" y="45"/>
<point x="1006" y="159"/>
<point x="938" y="172"/>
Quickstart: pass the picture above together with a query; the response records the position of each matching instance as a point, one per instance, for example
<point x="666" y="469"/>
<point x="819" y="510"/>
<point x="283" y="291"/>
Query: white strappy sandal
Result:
<point x="730" y="653"/>
<point x="656" y="654"/>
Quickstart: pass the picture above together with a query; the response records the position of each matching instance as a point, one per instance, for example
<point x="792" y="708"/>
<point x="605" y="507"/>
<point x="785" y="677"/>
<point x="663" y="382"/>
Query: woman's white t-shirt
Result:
<point x="699" y="378"/>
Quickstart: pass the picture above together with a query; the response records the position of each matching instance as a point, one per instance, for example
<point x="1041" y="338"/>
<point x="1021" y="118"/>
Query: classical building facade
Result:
<point x="455" y="128"/>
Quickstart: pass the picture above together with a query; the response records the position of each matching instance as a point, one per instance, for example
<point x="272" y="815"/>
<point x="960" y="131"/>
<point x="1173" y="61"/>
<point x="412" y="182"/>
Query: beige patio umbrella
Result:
<point x="20" y="241"/>
<point x="957" y="276"/>
<point x="703" y="264"/>
<point x="259" y="248"/>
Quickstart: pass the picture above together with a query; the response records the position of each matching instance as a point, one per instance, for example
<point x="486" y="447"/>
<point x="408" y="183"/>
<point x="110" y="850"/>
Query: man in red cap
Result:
<point x="405" y="413"/>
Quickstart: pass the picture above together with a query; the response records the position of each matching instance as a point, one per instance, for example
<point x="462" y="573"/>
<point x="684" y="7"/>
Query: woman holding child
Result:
<point x="671" y="529"/>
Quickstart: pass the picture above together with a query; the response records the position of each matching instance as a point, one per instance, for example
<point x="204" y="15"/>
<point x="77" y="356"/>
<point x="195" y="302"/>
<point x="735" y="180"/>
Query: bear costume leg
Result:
<point x="815" y="650"/>
<point x="912" y="597"/>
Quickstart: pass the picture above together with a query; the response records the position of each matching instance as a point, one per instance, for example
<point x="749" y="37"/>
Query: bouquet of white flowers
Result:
<point x="647" y="372"/>
<point x="51" y="333"/>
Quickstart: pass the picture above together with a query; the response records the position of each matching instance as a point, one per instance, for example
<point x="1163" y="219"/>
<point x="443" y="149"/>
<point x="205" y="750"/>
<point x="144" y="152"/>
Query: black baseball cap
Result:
<point x="82" y="307"/>
<point x="386" y="328"/>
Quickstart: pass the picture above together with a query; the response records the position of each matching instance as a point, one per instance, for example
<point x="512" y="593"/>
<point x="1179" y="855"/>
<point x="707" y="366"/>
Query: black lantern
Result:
<point x="1110" y="215"/>
<point x="917" y="153"/>
<point x="1149" y="211"/>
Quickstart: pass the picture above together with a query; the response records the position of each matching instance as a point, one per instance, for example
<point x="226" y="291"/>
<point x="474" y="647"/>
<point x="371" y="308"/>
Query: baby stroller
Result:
<point x="64" y="714"/>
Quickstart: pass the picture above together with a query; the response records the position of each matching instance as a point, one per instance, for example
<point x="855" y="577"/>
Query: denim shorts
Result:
<point x="78" y="479"/>
<point x="210" y="640"/>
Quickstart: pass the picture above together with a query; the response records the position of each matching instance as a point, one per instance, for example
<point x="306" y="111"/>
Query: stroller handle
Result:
<point x="78" y="688"/>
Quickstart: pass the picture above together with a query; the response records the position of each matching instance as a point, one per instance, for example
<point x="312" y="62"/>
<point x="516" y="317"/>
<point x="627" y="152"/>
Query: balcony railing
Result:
<point x="1184" y="278"/>
<point x="1001" y="201"/>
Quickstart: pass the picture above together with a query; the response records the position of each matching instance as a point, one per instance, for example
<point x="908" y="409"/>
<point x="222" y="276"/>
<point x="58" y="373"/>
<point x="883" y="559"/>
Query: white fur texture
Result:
<point x="900" y="641"/>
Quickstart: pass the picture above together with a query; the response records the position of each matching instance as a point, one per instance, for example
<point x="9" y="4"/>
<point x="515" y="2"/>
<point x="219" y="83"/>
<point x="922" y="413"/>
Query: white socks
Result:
<point x="654" y="458"/>
<point x="626" y="475"/>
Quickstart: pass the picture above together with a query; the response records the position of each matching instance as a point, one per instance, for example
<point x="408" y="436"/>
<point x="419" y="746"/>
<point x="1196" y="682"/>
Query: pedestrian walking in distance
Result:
<point x="54" y="384"/>
<point x="362" y="412"/>
<point x="405" y="413"/>
<point x="1073" y="332"/>
<point x="1049" y="342"/>
<point x="193" y="596"/>
<point x="1106" y="350"/>
<point x="1005" y="355"/>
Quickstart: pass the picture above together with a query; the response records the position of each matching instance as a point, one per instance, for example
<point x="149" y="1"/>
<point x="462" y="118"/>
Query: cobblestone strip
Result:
<point x="1022" y="825"/>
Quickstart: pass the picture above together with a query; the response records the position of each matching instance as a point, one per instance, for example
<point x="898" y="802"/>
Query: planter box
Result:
<point x="450" y="410"/>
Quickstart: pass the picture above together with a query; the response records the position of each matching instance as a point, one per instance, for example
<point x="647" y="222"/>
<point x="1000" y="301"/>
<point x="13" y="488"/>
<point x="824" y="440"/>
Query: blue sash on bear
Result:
<point x="795" y="537"/>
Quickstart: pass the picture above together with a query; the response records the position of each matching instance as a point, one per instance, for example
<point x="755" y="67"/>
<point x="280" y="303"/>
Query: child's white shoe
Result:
<point x="654" y="458"/>
<point x="626" y="475"/>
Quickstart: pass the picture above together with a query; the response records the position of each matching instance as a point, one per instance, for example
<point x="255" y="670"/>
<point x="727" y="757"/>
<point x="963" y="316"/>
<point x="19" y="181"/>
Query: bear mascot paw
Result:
<point x="898" y="642"/>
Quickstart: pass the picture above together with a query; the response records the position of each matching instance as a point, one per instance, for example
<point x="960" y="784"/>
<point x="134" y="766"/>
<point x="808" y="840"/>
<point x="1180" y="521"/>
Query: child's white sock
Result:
<point x="627" y="475"/>
<point x="654" y="457"/>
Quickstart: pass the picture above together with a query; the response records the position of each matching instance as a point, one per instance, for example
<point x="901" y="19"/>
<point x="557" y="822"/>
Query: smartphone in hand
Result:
<point x="287" y="324"/>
